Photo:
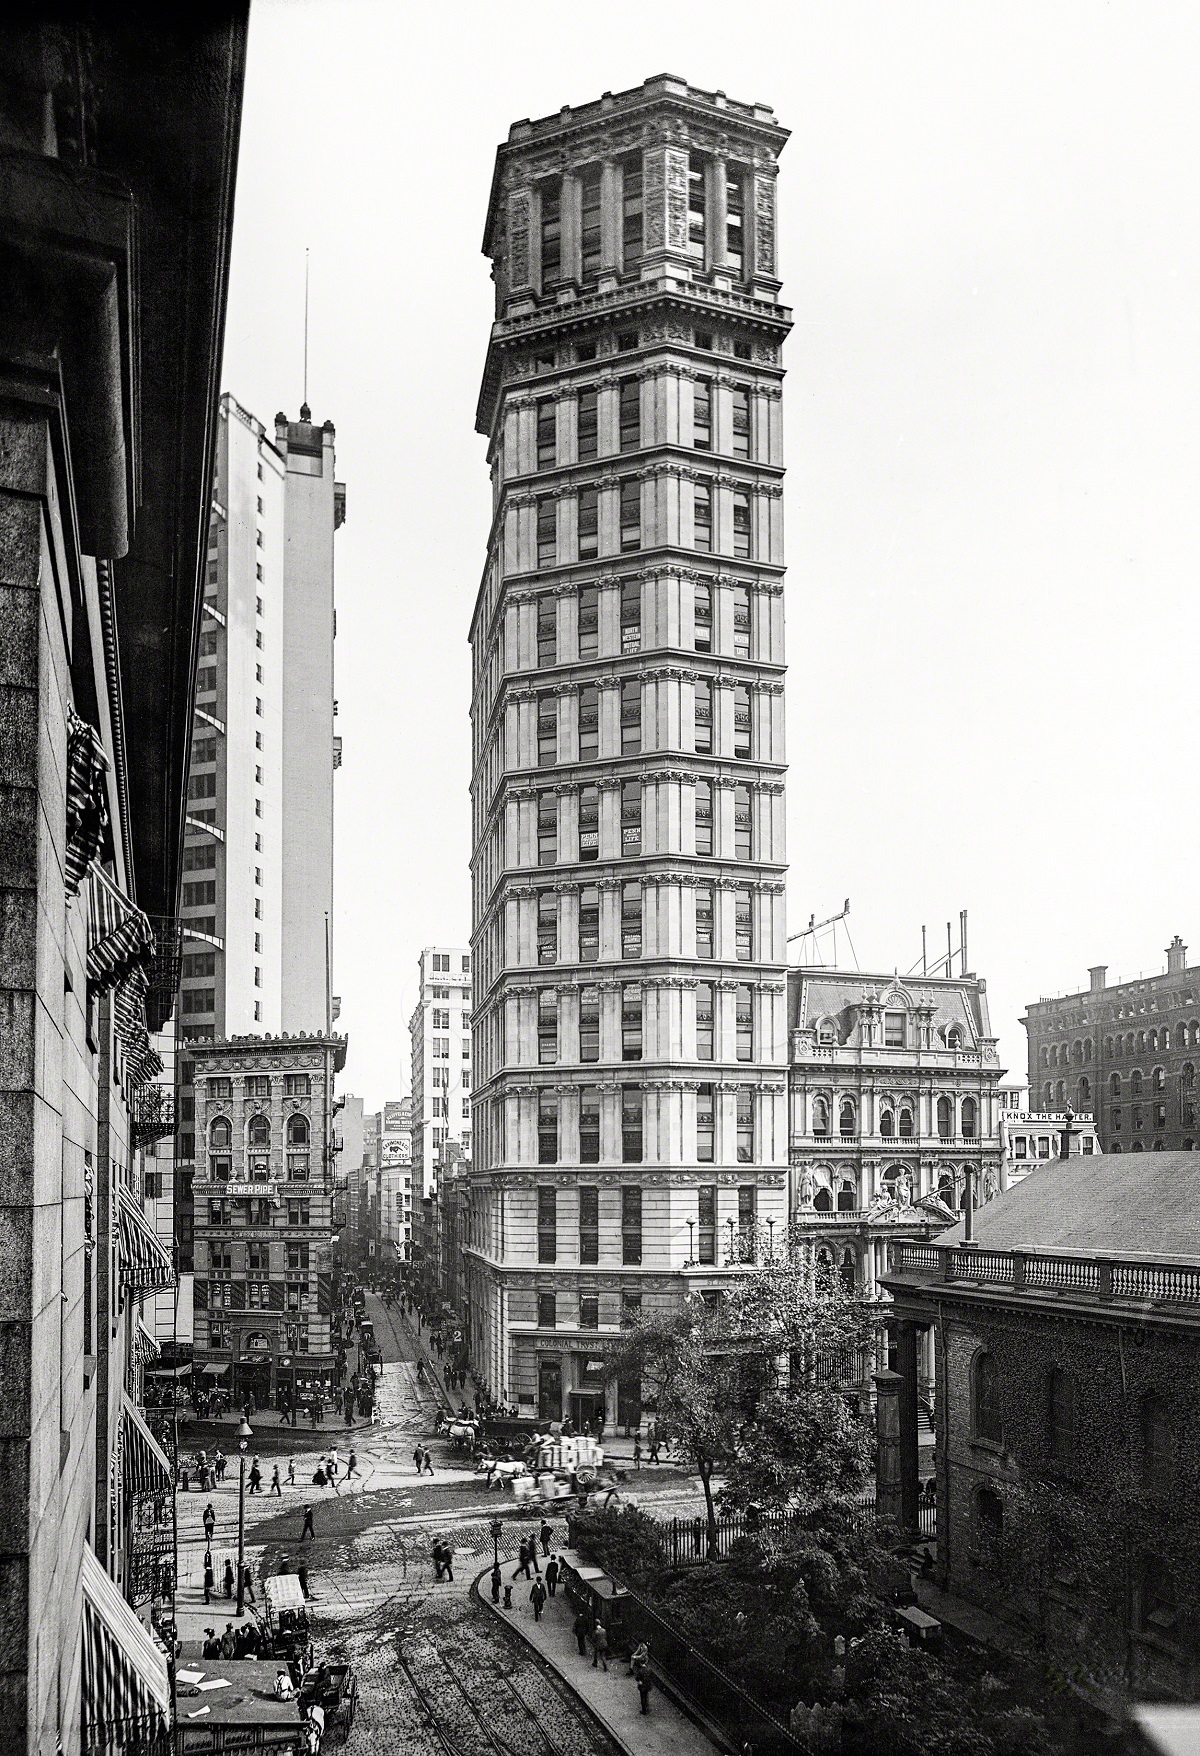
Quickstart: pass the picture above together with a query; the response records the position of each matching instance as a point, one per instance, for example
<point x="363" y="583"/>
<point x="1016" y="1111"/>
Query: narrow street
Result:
<point x="436" y="1671"/>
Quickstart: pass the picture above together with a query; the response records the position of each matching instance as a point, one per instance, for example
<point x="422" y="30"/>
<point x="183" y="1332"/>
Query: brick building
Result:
<point x="630" y="1043"/>
<point x="1126" y="1053"/>
<point x="264" y="1287"/>
<point x="1068" y="1470"/>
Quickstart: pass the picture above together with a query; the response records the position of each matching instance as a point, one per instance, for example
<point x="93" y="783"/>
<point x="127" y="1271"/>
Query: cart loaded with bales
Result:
<point x="285" y="1615"/>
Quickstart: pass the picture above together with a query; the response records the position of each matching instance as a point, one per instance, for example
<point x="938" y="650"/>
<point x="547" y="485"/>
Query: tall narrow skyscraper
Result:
<point x="628" y="824"/>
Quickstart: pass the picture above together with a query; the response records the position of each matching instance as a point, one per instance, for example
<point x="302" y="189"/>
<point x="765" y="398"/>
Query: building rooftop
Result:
<point x="1124" y="1205"/>
<point x="830" y="993"/>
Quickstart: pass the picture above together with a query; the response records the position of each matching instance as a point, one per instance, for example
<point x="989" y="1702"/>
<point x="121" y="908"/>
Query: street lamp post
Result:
<point x="243" y="1433"/>
<point x="691" y="1225"/>
<point x="732" y="1257"/>
<point x="497" y="1527"/>
<point x="771" y="1239"/>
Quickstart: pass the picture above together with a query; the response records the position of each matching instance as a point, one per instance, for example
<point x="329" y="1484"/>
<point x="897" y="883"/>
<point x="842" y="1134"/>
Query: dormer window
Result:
<point x="894" y="1028"/>
<point x="826" y="1035"/>
<point x="954" y="1037"/>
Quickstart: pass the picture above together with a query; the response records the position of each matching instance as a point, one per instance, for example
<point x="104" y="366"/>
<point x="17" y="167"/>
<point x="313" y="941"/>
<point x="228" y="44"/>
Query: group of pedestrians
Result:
<point x="423" y="1460"/>
<point x="227" y="1579"/>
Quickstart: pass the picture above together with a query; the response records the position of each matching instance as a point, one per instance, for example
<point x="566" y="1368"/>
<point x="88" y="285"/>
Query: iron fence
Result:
<point x="685" y="1540"/>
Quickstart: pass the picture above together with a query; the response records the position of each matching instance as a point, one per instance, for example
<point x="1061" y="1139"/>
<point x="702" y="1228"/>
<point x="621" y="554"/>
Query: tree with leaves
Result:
<point x="746" y="1387"/>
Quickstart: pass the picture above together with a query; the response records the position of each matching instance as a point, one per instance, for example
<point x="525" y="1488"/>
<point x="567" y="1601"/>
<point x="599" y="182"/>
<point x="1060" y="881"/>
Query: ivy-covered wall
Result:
<point x="1078" y="1521"/>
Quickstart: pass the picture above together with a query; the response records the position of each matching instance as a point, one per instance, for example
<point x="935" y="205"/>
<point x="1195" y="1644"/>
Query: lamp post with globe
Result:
<point x="243" y="1433"/>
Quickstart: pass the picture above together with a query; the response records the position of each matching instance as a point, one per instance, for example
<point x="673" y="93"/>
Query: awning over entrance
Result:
<point x="215" y="1371"/>
<point x="126" y="1691"/>
<point x="120" y="937"/>
<point x="147" y="1466"/>
<point x="145" y="1264"/>
<point x="145" y="1348"/>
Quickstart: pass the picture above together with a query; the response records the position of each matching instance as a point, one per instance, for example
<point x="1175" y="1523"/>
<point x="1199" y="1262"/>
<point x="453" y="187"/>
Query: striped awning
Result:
<point x="142" y="1063"/>
<point x="87" y="799"/>
<point x="147" y="1466"/>
<point x="145" y="1264"/>
<point x="126" y="1689"/>
<point x="120" y="937"/>
<point x="145" y="1348"/>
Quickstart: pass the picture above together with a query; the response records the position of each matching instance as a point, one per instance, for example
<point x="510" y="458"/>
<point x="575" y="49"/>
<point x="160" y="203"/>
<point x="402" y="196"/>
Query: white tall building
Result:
<point x="440" y="1028"/>
<point x="258" y="860"/>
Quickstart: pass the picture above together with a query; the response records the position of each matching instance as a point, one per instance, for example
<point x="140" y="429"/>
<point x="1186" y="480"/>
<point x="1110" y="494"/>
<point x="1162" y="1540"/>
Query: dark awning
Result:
<point x="147" y="1466"/>
<point x="120" y="937"/>
<point x="126" y="1690"/>
<point x="145" y="1264"/>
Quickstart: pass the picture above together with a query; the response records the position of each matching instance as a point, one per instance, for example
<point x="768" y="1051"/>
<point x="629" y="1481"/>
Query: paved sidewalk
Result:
<point x="612" y="1695"/>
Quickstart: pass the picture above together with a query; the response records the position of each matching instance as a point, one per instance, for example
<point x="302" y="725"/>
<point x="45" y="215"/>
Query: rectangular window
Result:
<point x="297" y="1211"/>
<point x="744" y="1019"/>
<point x="547" y="829"/>
<point x="589" y="925"/>
<point x="589" y="1311"/>
<point x="196" y="895"/>
<point x="705" y="1033"/>
<point x="220" y="1088"/>
<point x="631" y="1022"/>
<point x="631" y="717"/>
<point x="547" y="1224"/>
<point x="747" y="1219"/>
<point x="589" y="1026"/>
<point x="703" y="713"/>
<point x="702" y="517"/>
<point x="590" y="222"/>
<point x="547" y="1128"/>
<point x="547" y="432"/>
<point x="735" y="222"/>
<point x="547" y="729"/>
<point x="197" y="1000"/>
<point x="894" y="1030"/>
<point x="743" y="836"/>
<point x="589" y="622"/>
<point x="741" y="422"/>
<point x="704" y="817"/>
<point x="547" y="1029"/>
<point x="200" y="859"/>
<point x="201" y="963"/>
<point x="589" y="1217"/>
<point x="547" y="631"/>
<point x="588" y="426"/>
<point x="589" y="823"/>
<point x="697" y="209"/>
<point x="631" y="1126"/>
<point x="547" y="1313"/>
<point x="742" y="547"/>
<point x="703" y="615"/>
<point x="551" y="232"/>
<point x="204" y="750"/>
<point x="631" y="818"/>
<point x="206" y="680"/>
<point x="743" y="916"/>
<point x="631" y="514"/>
<point x="742" y="744"/>
<point x="547" y="531"/>
<point x="631" y="1310"/>
<point x="631" y="616"/>
<point x="741" y="621"/>
<point x="631" y="211"/>
<point x="631" y="1224"/>
<point x="631" y="920"/>
<point x="630" y="412"/>
<point x="589" y="723"/>
<point x="706" y="1213"/>
<point x="589" y="1136"/>
<point x="745" y="1125"/>
<point x="588" y="540"/>
<point x="702" y="406"/>
<point x="704" y="920"/>
<point x="295" y="1085"/>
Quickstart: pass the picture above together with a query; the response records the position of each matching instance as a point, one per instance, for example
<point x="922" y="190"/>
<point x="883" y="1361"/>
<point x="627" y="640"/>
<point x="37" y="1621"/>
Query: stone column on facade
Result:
<point x="717" y="204"/>
<point x="905" y="1331"/>
<point x="887" y="1440"/>
<point x="665" y="202"/>
<point x="611" y="196"/>
<point x="572" y="228"/>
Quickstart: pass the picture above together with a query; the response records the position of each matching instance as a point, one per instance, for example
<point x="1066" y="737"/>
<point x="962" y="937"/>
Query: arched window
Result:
<point x="1054" y="1054"/>
<point x="906" y="1123"/>
<point x="1083" y="1093"/>
<point x="1137" y="1145"/>
<point x="258" y="1134"/>
<point x="1116" y="1147"/>
<point x="1158" y="1446"/>
<point x="825" y="1267"/>
<point x="1077" y="1052"/>
<point x="1135" y="1083"/>
<point x="970" y="1116"/>
<point x="887" y="1124"/>
<point x="1060" y="1093"/>
<point x="847" y="1118"/>
<point x="1187" y="1076"/>
<point x="1060" y="1415"/>
<point x="220" y="1134"/>
<point x="954" y="1037"/>
<point x="1045" y="1056"/>
<point x="849" y="1270"/>
<point x="945" y="1118"/>
<point x="1141" y="1042"/>
<point x="297" y="1131"/>
<point x="820" y="1116"/>
<point x="1189" y="1146"/>
<point x="823" y="1201"/>
<point x="826" y="1035"/>
<point x="847" y="1199"/>
<point x="1160" y="1079"/>
<point x="1193" y="1035"/>
<point x="1152" y="1045"/>
<point x="1108" y="1047"/>
<point x="985" y="1399"/>
<point x="1181" y="1036"/>
<point x="1114" y="1085"/>
<point x="1047" y="1095"/>
<point x="1087" y="1048"/>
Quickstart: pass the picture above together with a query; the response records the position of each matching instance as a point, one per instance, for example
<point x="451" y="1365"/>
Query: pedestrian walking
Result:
<point x="418" y="1460"/>
<point x="546" y="1532"/>
<point x="496" y="1583"/>
<point x="212" y="1644"/>
<point x="227" y="1577"/>
<point x="643" y="1688"/>
<point x="599" y="1645"/>
<point x="438" y="1562"/>
<point x="652" y="1440"/>
<point x="210" y="1523"/>
<point x="552" y="1571"/>
<point x="308" y="1530"/>
<point x="637" y="1453"/>
<point x="209" y="1579"/>
<point x="276" y="1485"/>
<point x="537" y="1598"/>
<point x="352" y="1466"/>
<point x="247" y="1582"/>
<point x="580" y="1630"/>
<point x="448" y="1561"/>
<point x="228" y="1642"/>
<point x="333" y="1465"/>
<point x="291" y="1472"/>
<point x="523" y="1560"/>
<point x="428" y="1462"/>
<point x="219" y="1462"/>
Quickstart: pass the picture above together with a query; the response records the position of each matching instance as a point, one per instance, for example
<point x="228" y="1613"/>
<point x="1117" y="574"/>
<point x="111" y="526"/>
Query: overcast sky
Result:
<point x="988" y="223"/>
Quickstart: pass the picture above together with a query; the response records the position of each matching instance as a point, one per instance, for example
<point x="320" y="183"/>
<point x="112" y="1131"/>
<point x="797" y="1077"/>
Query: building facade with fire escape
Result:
<point x="630" y="1028"/>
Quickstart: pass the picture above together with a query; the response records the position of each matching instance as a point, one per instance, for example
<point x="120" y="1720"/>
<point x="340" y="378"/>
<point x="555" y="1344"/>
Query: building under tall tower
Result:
<point x="258" y="849"/>
<point x="440" y="1032"/>
<point x="628" y="812"/>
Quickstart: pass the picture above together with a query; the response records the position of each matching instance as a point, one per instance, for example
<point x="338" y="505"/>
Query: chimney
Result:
<point x="1096" y="977"/>
<point x="1176" y="957"/>
<point x="1066" y="1134"/>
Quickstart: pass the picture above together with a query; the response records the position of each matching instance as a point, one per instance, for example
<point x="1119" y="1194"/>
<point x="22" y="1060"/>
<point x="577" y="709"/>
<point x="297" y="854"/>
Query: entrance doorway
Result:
<point x="587" y="1408"/>
<point x="253" y="1380"/>
<point x="550" y="1390"/>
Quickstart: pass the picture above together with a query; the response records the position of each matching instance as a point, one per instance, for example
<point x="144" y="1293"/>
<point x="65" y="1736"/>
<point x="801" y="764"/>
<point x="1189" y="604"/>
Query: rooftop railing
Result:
<point x="1176" y="1283"/>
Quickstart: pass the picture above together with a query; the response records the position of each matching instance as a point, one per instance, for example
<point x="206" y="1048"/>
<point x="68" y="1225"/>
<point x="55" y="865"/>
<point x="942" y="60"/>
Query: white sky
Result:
<point x="988" y="228"/>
